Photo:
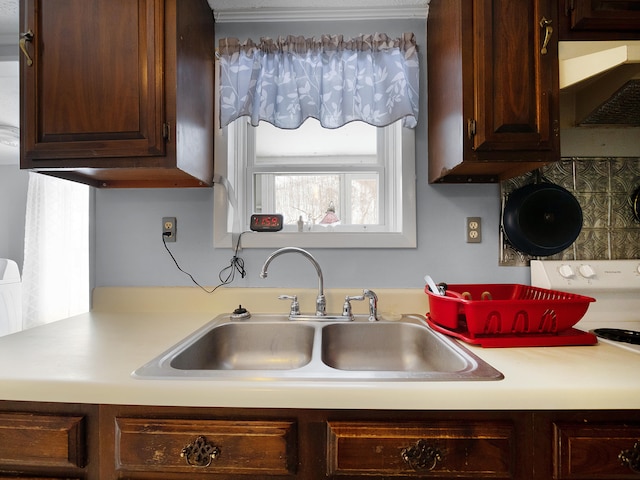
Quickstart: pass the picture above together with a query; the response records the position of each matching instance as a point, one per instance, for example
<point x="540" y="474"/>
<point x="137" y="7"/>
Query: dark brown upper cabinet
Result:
<point x="118" y="94"/>
<point x="492" y="89"/>
<point x="599" y="19"/>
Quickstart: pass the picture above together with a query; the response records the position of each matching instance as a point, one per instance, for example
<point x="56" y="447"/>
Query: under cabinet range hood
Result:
<point x="600" y="99"/>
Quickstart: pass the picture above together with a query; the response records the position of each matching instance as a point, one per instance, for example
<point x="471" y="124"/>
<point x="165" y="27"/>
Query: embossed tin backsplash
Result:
<point x="603" y="186"/>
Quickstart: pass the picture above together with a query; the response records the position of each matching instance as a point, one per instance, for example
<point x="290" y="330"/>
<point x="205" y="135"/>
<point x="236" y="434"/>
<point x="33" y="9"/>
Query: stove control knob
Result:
<point x="566" y="271"/>
<point x="587" y="271"/>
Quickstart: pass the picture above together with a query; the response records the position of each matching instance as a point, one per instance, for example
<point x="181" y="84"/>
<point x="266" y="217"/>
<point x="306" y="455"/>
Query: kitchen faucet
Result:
<point x="321" y="303"/>
<point x="373" y="304"/>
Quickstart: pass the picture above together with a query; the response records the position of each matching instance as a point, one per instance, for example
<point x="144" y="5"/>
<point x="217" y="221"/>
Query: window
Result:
<point x="361" y="177"/>
<point x="344" y="180"/>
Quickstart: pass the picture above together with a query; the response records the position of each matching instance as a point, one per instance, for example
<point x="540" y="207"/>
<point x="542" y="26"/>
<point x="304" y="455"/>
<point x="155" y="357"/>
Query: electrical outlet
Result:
<point x="474" y="230"/>
<point x="169" y="229"/>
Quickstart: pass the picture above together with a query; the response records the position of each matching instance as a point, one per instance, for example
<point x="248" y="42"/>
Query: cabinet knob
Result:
<point x="421" y="456"/>
<point x="200" y="453"/>
<point x="631" y="458"/>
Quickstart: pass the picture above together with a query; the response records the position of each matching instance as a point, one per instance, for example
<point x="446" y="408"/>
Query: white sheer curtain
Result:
<point x="55" y="279"/>
<point x="371" y="78"/>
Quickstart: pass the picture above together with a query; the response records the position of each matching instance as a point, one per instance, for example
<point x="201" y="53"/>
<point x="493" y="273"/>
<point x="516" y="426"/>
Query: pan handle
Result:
<point x="635" y="204"/>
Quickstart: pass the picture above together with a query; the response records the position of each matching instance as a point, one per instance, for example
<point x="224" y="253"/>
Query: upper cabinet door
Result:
<point x="94" y="85"/>
<point x="515" y="72"/>
<point x="493" y="90"/>
<point x="605" y="14"/>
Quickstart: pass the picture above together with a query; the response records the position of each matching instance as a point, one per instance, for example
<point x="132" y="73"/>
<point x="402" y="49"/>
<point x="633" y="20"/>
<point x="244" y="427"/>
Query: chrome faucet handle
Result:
<point x="346" y="307"/>
<point x="373" y="304"/>
<point x="321" y="306"/>
<point x="295" y="306"/>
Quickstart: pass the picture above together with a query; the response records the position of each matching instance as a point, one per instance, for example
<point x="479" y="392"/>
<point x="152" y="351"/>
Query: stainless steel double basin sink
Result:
<point x="272" y="347"/>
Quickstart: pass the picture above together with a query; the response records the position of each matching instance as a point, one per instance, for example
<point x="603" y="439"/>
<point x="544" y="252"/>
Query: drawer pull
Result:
<point x="631" y="458"/>
<point x="200" y="453"/>
<point x="421" y="456"/>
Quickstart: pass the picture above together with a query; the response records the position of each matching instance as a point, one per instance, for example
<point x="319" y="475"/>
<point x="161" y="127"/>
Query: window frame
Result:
<point x="228" y="204"/>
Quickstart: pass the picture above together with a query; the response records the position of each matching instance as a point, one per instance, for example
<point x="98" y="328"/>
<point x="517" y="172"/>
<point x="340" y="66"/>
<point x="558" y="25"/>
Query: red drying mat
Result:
<point x="506" y="309"/>
<point x="571" y="336"/>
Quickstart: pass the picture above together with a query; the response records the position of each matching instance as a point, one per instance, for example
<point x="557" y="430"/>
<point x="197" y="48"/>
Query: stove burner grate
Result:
<point x="618" y="335"/>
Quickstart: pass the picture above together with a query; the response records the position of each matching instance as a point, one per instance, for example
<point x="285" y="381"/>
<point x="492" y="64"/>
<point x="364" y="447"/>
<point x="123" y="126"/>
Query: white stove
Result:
<point x="615" y="284"/>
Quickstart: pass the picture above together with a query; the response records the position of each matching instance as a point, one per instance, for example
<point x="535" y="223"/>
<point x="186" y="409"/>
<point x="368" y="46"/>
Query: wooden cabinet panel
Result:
<point x="493" y="90"/>
<point x="599" y="19"/>
<point x="118" y="94"/>
<point x="153" y="442"/>
<point x="469" y="450"/>
<point x="231" y="447"/>
<point x="514" y="87"/>
<point x="605" y="14"/>
<point x="23" y="477"/>
<point x="596" y="450"/>
<point x="42" y="440"/>
<point x="95" y="88"/>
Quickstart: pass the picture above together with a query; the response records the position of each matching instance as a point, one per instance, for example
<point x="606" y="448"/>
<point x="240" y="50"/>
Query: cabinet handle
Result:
<point x="631" y="458"/>
<point x="200" y="453"/>
<point x="548" y="31"/>
<point x="24" y="38"/>
<point x="421" y="456"/>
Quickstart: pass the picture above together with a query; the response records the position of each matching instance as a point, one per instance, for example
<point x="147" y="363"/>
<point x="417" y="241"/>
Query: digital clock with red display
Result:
<point x="262" y="222"/>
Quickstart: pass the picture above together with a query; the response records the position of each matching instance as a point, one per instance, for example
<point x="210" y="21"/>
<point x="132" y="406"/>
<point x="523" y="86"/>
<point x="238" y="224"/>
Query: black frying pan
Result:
<point x="541" y="219"/>
<point x="635" y="203"/>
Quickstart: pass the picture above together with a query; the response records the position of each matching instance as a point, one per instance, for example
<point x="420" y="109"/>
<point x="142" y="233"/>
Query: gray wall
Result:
<point x="129" y="249"/>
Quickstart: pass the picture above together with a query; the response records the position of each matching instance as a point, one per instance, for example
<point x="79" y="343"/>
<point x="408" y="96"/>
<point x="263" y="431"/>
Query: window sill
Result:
<point x="317" y="240"/>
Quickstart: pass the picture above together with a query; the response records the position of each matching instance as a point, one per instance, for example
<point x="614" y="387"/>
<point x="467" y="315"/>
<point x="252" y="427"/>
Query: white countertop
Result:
<point x="89" y="359"/>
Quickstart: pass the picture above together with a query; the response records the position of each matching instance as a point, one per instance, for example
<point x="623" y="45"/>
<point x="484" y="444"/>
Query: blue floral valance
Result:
<point x="371" y="78"/>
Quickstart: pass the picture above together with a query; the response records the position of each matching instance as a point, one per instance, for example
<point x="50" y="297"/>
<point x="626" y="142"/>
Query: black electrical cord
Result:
<point x="236" y="265"/>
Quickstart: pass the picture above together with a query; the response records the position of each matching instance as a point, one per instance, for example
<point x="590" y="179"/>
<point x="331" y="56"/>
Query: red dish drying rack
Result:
<point x="509" y="315"/>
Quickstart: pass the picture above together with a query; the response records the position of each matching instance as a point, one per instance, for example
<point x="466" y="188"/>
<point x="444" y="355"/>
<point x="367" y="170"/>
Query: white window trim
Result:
<point x="226" y="206"/>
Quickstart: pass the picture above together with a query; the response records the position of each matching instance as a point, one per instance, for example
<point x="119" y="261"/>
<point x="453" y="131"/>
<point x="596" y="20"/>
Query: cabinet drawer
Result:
<point x="464" y="450"/>
<point x="593" y="450"/>
<point x="42" y="440"/>
<point x="180" y="445"/>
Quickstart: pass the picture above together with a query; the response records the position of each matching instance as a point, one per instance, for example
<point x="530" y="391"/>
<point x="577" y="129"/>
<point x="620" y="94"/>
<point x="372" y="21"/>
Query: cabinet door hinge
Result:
<point x="166" y="131"/>
<point x="471" y="128"/>
<point x="568" y="7"/>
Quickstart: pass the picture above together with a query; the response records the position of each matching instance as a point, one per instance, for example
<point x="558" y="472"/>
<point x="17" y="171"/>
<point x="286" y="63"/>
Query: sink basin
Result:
<point x="398" y="347"/>
<point x="248" y="346"/>
<point x="272" y="347"/>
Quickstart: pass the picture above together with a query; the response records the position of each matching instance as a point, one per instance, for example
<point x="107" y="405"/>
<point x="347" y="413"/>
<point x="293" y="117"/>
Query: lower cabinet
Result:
<point x="39" y="441"/>
<point x="594" y="445"/>
<point x="190" y="443"/>
<point x="601" y="450"/>
<point x="206" y="446"/>
<point x="101" y="442"/>
<point x="470" y="450"/>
